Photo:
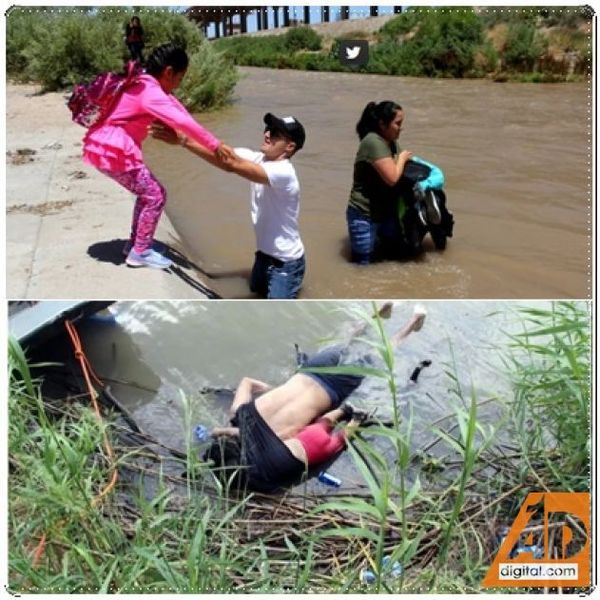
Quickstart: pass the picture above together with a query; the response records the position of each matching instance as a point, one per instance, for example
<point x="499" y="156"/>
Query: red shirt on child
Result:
<point x="319" y="442"/>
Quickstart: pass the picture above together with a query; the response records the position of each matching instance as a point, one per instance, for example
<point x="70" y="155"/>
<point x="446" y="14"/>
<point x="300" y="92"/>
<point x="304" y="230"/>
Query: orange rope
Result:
<point x="88" y="374"/>
<point x="39" y="551"/>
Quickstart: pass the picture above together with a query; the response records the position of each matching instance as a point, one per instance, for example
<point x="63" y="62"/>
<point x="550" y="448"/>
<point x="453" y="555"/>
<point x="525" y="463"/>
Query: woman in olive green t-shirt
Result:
<point x="379" y="163"/>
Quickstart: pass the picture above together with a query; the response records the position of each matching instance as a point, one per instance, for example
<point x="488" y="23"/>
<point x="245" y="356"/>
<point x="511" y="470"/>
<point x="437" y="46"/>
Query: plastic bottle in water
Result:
<point x="327" y="479"/>
<point x="366" y="576"/>
<point x="201" y="433"/>
<point x="395" y="570"/>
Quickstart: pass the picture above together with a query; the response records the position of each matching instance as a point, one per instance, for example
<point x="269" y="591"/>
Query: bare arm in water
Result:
<point x="245" y="392"/>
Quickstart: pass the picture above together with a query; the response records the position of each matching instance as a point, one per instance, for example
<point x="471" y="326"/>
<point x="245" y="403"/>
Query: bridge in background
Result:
<point x="221" y="21"/>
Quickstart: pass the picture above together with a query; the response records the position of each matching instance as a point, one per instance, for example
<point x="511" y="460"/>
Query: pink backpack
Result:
<point x="90" y="103"/>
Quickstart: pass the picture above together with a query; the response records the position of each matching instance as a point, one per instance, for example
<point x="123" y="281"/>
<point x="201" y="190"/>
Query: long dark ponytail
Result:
<point x="374" y="114"/>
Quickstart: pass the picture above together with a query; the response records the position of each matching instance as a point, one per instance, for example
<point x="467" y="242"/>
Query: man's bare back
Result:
<point x="290" y="407"/>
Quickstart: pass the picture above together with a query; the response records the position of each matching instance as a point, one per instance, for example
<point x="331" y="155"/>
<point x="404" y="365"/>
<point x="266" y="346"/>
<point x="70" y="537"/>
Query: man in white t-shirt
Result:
<point x="279" y="262"/>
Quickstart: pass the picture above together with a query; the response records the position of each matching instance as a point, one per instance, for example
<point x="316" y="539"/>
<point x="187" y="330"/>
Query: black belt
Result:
<point x="271" y="260"/>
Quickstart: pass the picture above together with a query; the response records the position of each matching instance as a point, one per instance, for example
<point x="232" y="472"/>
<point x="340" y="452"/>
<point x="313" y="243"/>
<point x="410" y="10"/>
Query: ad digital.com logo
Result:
<point x="562" y="559"/>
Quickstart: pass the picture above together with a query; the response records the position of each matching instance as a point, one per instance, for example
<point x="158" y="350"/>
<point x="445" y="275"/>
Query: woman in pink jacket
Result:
<point x="114" y="146"/>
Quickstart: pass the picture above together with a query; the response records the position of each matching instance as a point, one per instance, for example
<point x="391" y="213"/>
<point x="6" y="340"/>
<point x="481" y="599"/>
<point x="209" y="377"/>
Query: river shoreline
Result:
<point x="65" y="222"/>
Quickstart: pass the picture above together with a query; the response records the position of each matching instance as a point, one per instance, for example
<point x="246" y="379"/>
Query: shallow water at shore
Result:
<point x="155" y="353"/>
<point x="516" y="163"/>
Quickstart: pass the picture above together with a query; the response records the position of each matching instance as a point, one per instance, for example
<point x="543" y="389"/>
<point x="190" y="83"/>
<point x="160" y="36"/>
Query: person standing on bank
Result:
<point x="114" y="146"/>
<point x="134" y="38"/>
<point x="279" y="264"/>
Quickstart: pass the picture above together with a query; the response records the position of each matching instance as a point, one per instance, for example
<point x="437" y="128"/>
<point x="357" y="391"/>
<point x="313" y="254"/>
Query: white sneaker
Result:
<point x="155" y="246"/>
<point x="419" y="313"/>
<point x="148" y="258"/>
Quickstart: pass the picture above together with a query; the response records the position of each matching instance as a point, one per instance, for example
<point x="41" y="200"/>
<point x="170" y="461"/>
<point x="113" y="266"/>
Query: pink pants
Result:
<point x="149" y="205"/>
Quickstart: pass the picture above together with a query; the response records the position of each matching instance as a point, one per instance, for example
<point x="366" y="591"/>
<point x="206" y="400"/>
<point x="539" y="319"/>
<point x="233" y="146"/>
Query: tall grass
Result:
<point x="551" y="372"/>
<point x="393" y="502"/>
<point x="159" y="532"/>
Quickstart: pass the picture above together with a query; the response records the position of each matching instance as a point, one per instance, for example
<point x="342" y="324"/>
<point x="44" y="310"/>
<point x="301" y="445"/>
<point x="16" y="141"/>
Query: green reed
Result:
<point x="391" y="498"/>
<point x="550" y="366"/>
<point x="387" y="486"/>
<point x="469" y="446"/>
<point x="55" y="471"/>
<point x="214" y="540"/>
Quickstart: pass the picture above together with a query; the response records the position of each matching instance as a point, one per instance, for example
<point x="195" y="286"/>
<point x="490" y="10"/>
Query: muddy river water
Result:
<point x="516" y="158"/>
<point x="155" y="354"/>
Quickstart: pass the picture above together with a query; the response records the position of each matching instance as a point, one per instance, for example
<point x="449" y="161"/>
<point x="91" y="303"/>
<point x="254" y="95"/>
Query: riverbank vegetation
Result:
<point x="425" y="519"/>
<point x="58" y="48"/>
<point x="530" y="44"/>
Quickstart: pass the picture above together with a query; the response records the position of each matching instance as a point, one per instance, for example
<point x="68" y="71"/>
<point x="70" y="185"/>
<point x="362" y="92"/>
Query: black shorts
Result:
<point x="338" y="385"/>
<point x="268" y="461"/>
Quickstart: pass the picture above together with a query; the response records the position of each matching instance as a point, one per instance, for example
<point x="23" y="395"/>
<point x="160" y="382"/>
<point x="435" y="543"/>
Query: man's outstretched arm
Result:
<point x="163" y="132"/>
<point x="229" y="160"/>
<point x="246" y="168"/>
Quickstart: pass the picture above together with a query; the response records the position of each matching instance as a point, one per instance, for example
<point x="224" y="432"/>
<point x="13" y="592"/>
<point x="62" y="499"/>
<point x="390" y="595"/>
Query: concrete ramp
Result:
<point x="28" y="321"/>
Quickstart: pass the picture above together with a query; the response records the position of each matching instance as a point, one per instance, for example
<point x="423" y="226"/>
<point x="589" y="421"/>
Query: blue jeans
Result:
<point x="365" y="235"/>
<point x="275" y="279"/>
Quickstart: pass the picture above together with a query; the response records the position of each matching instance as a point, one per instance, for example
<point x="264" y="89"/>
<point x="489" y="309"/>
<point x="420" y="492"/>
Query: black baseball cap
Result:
<point x="290" y="126"/>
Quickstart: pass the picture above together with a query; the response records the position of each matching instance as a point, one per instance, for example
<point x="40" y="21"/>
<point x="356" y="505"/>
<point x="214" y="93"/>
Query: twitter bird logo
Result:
<point x="354" y="53"/>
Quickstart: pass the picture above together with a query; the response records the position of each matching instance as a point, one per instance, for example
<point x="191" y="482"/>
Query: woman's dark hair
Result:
<point x="135" y="18"/>
<point x="167" y="55"/>
<point x="226" y="455"/>
<point x="374" y="114"/>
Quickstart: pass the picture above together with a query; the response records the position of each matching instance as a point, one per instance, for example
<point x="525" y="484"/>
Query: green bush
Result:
<point x="264" y="50"/>
<point x="317" y="62"/>
<point x="209" y="81"/>
<point x="447" y="42"/>
<point x="20" y="31"/>
<point x="444" y="44"/>
<point x="59" y="49"/>
<point x="387" y="57"/>
<point x="400" y="25"/>
<point x="524" y="45"/>
<point x="566" y="16"/>
<point x="302" y="38"/>
<point x="546" y="16"/>
<point x="274" y="51"/>
<point x="510" y="14"/>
